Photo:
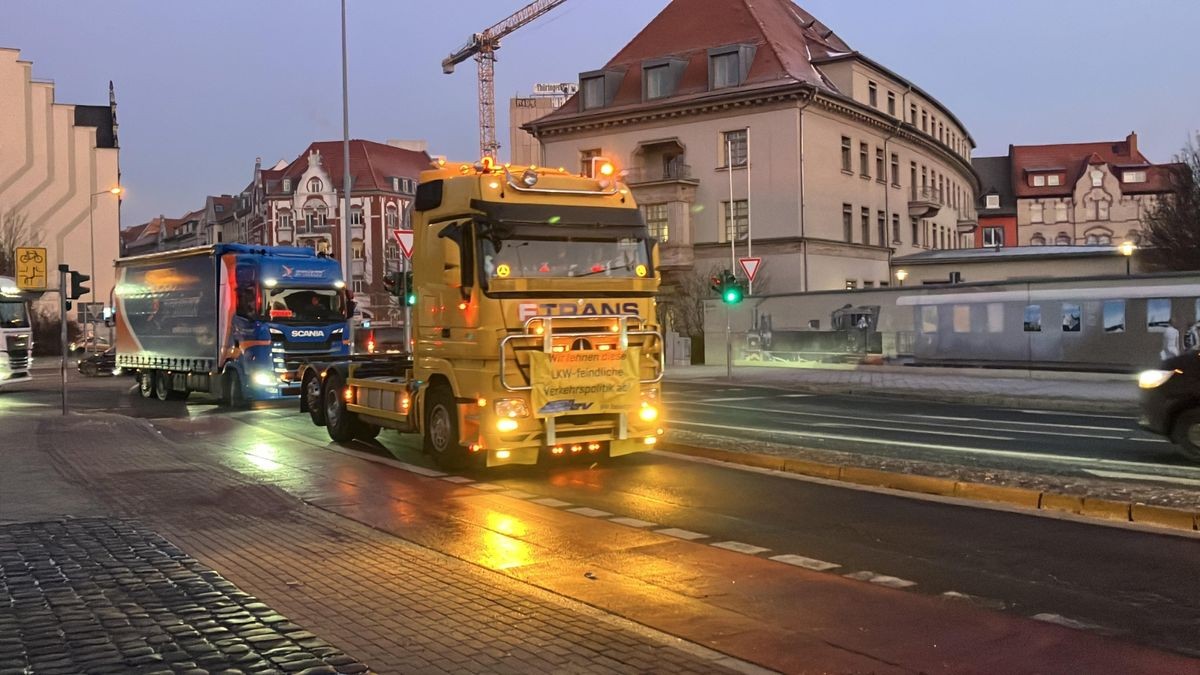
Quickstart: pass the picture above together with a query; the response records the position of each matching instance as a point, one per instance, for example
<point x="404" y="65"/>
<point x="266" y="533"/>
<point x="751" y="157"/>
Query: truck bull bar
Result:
<point x="547" y="337"/>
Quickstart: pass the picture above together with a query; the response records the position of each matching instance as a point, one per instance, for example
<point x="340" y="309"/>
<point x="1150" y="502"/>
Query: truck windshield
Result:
<point x="13" y="315"/>
<point x="305" y="304"/>
<point x="573" y="257"/>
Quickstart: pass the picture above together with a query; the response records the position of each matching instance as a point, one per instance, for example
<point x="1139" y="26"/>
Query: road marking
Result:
<point x="1142" y="476"/>
<point x="1075" y="414"/>
<point x="632" y="522"/>
<point x="806" y="563"/>
<point x="796" y="395"/>
<point x="881" y="579"/>
<point x="1061" y="459"/>
<point x="681" y="534"/>
<point x="950" y="418"/>
<point x="516" y="494"/>
<point x="1064" y="621"/>
<point x="740" y="547"/>
<point x="590" y="513"/>
<point x="749" y="398"/>
<point x="488" y="486"/>
<point x="1148" y="440"/>
<point x="894" y="429"/>
<point x="458" y="479"/>
<point x="550" y="501"/>
<point x="976" y="600"/>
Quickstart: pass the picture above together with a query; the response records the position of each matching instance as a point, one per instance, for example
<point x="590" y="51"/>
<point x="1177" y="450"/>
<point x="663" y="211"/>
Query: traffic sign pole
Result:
<point x="62" y="313"/>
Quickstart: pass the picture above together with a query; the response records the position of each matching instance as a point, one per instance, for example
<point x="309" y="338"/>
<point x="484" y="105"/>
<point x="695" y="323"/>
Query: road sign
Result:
<point x="31" y="268"/>
<point x="750" y="266"/>
<point x="405" y="239"/>
<point x="91" y="312"/>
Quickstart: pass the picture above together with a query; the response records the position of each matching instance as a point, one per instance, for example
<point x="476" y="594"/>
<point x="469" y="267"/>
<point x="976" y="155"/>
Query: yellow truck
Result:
<point x="533" y="330"/>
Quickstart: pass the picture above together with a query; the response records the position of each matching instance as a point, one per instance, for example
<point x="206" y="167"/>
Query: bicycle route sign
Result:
<point x="31" y="268"/>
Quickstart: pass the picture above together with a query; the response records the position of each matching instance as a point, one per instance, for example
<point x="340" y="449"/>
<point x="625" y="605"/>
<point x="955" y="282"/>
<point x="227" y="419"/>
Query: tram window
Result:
<point x="1158" y="314"/>
<point x="995" y="317"/>
<point x="1114" y="316"/>
<point x="929" y="322"/>
<point x="1072" y="318"/>
<point x="1033" y="318"/>
<point x="962" y="318"/>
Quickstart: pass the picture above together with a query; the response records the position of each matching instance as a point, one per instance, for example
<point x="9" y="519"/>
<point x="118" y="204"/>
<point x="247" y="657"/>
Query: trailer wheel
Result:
<point x="162" y="386"/>
<point x="339" y="422"/>
<point x="146" y="383"/>
<point x="441" y="428"/>
<point x="313" y="399"/>
<point x="1186" y="434"/>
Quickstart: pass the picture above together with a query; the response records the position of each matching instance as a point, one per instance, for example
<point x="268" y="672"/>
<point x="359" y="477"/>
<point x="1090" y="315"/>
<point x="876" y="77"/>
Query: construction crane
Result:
<point x="483" y="47"/>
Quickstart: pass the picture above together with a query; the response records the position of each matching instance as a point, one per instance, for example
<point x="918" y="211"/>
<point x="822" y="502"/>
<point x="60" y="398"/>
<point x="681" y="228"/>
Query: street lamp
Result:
<point x="901" y="275"/>
<point x="115" y="191"/>
<point x="1127" y="249"/>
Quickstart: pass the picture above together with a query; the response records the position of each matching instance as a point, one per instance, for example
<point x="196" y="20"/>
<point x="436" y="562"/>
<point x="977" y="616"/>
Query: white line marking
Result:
<point x="458" y="479"/>
<point x="550" y="501"/>
<point x="929" y="446"/>
<point x="748" y="549"/>
<point x="1148" y="440"/>
<point x="487" y="486"/>
<point x="975" y="600"/>
<point x="1142" y="476"/>
<point x="881" y="579"/>
<point x="806" y="563"/>
<point x="853" y="425"/>
<point x="632" y="522"/>
<point x="950" y="418"/>
<point x="1075" y="414"/>
<point x="796" y="395"/>
<point x="733" y="398"/>
<point x="394" y="463"/>
<point x="590" y="513"/>
<point x="517" y="494"/>
<point x="681" y="534"/>
<point x="1063" y="621"/>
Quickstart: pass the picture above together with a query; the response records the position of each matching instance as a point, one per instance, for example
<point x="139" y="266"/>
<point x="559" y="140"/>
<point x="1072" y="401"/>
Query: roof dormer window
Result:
<point x="597" y="88"/>
<point x="315" y="185"/>
<point x="660" y="77"/>
<point x="1038" y="180"/>
<point x="993" y="202"/>
<point x="728" y="66"/>
<point x="287" y="188"/>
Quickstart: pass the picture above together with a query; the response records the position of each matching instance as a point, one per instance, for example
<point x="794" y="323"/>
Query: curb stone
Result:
<point x="1101" y="509"/>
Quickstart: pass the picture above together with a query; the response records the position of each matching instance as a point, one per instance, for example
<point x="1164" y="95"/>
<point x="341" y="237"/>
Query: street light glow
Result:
<point x="901" y="274"/>
<point x="1127" y="248"/>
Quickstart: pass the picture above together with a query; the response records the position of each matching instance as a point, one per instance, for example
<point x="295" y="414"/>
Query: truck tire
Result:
<point x="313" y="399"/>
<point x="1186" y="434"/>
<point x="162" y="386"/>
<point x="365" y="431"/>
<point x="339" y="422"/>
<point x="146" y="383"/>
<point x="441" y="428"/>
<point x="235" y="395"/>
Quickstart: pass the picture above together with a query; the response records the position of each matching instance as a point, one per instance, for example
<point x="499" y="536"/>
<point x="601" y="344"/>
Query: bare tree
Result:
<point x="1172" y="229"/>
<point x="681" y="302"/>
<point x="14" y="232"/>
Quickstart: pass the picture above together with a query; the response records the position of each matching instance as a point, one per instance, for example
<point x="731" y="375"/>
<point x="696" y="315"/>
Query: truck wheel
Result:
<point x="1186" y="434"/>
<point x="365" y="431"/>
<point x="234" y="394"/>
<point x="146" y="383"/>
<point x="313" y="400"/>
<point x="441" y="429"/>
<point x="339" y="422"/>
<point x="162" y="386"/>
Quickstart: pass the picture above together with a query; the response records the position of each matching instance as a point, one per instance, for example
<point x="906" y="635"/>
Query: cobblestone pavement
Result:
<point x="98" y="595"/>
<point x="399" y="607"/>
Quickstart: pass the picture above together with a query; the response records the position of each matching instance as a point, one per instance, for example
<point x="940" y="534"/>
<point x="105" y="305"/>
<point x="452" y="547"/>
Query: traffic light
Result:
<point x="78" y="290"/>
<point x="727" y="286"/>
<point x="400" y="285"/>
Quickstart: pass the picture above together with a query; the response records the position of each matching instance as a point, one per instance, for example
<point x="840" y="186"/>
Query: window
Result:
<point x="585" y="161"/>
<point x="961" y="318"/>
<point x="992" y="202"/>
<point x="287" y="188"/>
<point x="993" y="237"/>
<point x="1072" y="318"/>
<point x="879" y="172"/>
<point x="1037" y="240"/>
<point x="846" y="155"/>
<point x="724" y="69"/>
<point x="314" y="217"/>
<point x="1053" y="179"/>
<point x="737" y="221"/>
<point x="657" y="81"/>
<point x="924" y="120"/>
<point x="358" y="286"/>
<point x="912" y="113"/>
<point x="1060" y="211"/>
<point x="356" y="217"/>
<point x="873" y="94"/>
<point x="1133" y="177"/>
<point x="391" y="251"/>
<point x="1114" y="316"/>
<point x="592" y="90"/>
<point x="1037" y="180"/>
<point x="391" y="217"/>
<point x="1033" y="318"/>
<point x="881" y="226"/>
<point x="1063" y="239"/>
<point x="896" y="228"/>
<point x="916" y="230"/>
<point x="1035" y="212"/>
<point x="891" y="104"/>
<point x="1104" y="239"/>
<point x="868" y="284"/>
<point x="865" y="220"/>
<point x="929" y="319"/>
<point x="656" y="220"/>
<point x="1051" y="215"/>
<point x="315" y="185"/>
<point x="357" y="251"/>
<point x="895" y="169"/>
<point x="995" y="317"/>
<point x="1097" y="178"/>
<point x="851" y="284"/>
<point x="285" y="220"/>
<point x="848" y="223"/>
<point x="733" y="146"/>
<point x="1158" y="314"/>
<point x="863" y="167"/>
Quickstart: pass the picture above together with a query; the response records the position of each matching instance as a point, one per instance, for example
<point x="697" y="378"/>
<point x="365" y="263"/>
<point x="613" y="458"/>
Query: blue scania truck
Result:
<point x="231" y="320"/>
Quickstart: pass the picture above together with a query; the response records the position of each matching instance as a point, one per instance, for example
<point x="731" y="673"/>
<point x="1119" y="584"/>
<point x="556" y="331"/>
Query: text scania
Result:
<point x="308" y="333"/>
<point x="532" y="309"/>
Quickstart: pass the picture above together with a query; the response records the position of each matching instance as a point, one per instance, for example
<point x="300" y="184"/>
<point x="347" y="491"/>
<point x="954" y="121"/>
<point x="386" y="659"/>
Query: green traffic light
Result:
<point x="412" y="299"/>
<point x="733" y="296"/>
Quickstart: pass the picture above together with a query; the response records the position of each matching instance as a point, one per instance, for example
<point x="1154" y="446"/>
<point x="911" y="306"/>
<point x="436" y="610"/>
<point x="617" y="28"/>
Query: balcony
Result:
<point x="669" y="172"/>
<point x="924" y="202"/>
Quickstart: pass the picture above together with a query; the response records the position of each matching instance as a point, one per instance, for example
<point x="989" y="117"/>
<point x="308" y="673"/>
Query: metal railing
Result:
<point x="652" y="174"/>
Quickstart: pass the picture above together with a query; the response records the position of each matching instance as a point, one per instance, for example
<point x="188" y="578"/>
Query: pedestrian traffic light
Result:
<point x="78" y="290"/>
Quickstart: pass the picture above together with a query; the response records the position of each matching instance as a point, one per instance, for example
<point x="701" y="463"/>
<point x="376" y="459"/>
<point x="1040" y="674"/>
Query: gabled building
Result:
<point x="143" y="238"/>
<point x="185" y="232"/>
<point x="751" y="125"/>
<point x="219" y="223"/>
<point x="1069" y="194"/>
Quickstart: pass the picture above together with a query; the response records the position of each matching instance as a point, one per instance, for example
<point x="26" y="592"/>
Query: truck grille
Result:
<point x="18" y="351"/>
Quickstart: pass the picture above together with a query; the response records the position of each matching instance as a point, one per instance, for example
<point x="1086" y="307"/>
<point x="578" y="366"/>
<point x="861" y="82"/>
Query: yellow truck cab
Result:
<point x="533" y="329"/>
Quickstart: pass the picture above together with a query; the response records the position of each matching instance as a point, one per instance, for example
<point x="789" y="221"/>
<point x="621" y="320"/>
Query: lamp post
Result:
<point x="901" y="275"/>
<point x="1127" y="249"/>
<point x="116" y="192"/>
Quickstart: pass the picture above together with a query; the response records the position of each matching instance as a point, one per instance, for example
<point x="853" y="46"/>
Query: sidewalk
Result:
<point x="318" y="592"/>
<point x="1049" y="390"/>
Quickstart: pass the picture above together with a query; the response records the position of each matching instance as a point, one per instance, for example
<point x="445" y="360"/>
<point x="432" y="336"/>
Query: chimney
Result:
<point x="1131" y="142"/>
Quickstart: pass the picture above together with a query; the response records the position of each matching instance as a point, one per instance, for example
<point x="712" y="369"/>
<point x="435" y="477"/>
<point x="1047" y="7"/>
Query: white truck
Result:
<point x="16" y="333"/>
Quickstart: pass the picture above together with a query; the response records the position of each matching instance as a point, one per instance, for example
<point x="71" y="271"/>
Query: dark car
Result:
<point x="1171" y="402"/>
<point x="379" y="340"/>
<point x="104" y="363"/>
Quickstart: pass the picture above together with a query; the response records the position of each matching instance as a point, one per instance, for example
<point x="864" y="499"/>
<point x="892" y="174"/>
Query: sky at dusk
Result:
<point x="205" y="87"/>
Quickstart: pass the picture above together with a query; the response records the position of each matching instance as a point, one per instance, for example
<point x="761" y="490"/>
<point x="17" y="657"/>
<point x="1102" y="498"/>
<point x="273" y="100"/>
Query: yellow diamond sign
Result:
<point x="31" y="268"/>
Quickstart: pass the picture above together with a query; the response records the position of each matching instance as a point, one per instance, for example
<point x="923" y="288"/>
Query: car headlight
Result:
<point x="512" y="408"/>
<point x="1149" y="379"/>
<point x="264" y="379"/>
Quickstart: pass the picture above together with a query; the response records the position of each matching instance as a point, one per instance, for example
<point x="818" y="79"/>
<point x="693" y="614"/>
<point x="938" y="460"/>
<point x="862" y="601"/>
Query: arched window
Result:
<point x="391" y="217"/>
<point x="315" y="185"/>
<point x="357" y="250"/>
<point x="1104" y="239"/>
<point x="314" y="216"/>
<point x="1062" y="239"/>
<point x="391" y="251"/>
<point x="1037" y="240"/>
<point x="1092" y="240"/>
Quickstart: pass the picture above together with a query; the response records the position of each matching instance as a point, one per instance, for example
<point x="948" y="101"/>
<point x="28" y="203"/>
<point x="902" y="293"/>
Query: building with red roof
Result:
<point x="752" y="127"/>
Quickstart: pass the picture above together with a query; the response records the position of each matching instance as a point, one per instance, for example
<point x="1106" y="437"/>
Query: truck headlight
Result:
<point x="264" y="379"/>
<point x="512" y="408"/>
<point x="506" y="424"/>
<point x="1149" y="379"/>
<point x="648" y="413"/>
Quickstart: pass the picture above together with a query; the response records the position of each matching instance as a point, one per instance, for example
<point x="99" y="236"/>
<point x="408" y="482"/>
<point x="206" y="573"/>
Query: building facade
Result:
<point x="753" y="128"/>
<point x="1068" y="194"/>
<point x="524" y="149"/>
<point x="57" y="164"/>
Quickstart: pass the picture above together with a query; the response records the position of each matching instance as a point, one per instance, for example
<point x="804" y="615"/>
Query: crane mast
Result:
<point x="482" y="47"/>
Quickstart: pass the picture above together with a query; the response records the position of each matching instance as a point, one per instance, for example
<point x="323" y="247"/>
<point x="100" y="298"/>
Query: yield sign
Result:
<point x="750" y="266"/>
<point x="404" y="238"/>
